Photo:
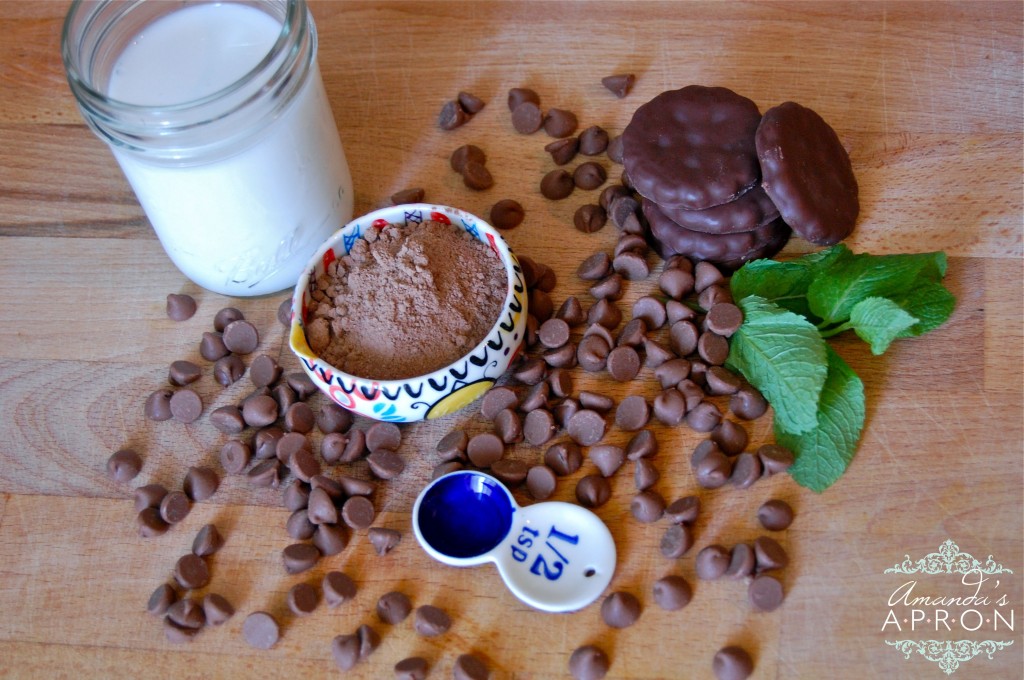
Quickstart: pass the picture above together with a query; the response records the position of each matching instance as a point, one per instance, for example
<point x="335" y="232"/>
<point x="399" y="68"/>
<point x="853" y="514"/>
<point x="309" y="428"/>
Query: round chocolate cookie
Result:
<point x="672" y="239"/>
<point x="807" y="173"/>
<point x="748" y="212"/>
<point x="693" y="147"/>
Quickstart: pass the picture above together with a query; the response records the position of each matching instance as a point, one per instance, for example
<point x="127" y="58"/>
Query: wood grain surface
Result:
<point x="928" y="98"/>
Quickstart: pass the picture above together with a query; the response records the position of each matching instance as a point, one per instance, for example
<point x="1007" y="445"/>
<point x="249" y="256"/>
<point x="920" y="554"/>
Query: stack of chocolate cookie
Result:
<point x="720" y="182"/>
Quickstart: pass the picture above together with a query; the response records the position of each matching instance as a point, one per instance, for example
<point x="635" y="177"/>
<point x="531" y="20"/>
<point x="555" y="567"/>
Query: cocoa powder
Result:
<point x="406" y="301"/>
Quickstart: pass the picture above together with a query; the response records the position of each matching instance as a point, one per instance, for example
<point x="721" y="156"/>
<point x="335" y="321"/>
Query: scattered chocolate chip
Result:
<point x="284" y="312"/>
<point x="470" y="667"/>
<point x="765" y="592"/>
<point x="589" y="175"/>
<point x="149" y="523"/>
<point x="774" y="459"/>
<point x="527" y="118"/>
<point x="683" y="510"/>
<point x="507" y="214"/>
<point x="298" y="557"/>
<point x="431" y="621"/>
<point x="672" y="592"/>
<point x="711" y="562"/>
<point x="732" y="663"/>
<point x="124" y="465"/>
<point x="620" y="609"/>
<point x="383" y="540"/>
<point x="470" y="103"/>
<point x="261" y="630"/>
<point x="175" y="507"/>
<point x="452" y="115"/>
<point x="589" y="218"/>
<point x="180" y="307"/>
<point x="186" y="406"/>
<point x="241" y="337"/>
<point x="620" y="84"/>
<point x="385" y="464"/>
<point x="588" y="662"/>
<point x="393" y="607"/>
<point x="464" y="154"/>
<point x="540" y="482"/>
<point x="564" y="458"/>
<point x="484" y="449"/>
<point x="200" y="483"/>
<point x="518" y="95"/>
<point x="411" y="668"/>
<point x="557" y="184"/>
<point x="158" y="405"/>
<point x="330" y="539"/>
<point x="593" y="491"/>
<point x="607" y="458"/>
<point x="338" y="588"/>
<point x="476" y="176"/>
<point x="595" y="267"/>
<point x="186" y="613"/>
<point x="775" y="515"/>
<point x="191" y="572"/>
<point x="647" y="506"/>
<point x="228" y="370"/>
<point x="560" y="123"/>
<point x="676" y="541"/>
<point x="149" y="496"/>
<point x="162" y="598"/>
<point x="563" y="150"/>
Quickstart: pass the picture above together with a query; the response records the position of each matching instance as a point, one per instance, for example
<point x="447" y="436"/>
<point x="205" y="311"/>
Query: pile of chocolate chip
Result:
<point x="720" y="182"/>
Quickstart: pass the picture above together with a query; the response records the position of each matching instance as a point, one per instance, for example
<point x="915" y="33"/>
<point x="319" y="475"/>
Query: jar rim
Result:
<point x="81" y="84"/>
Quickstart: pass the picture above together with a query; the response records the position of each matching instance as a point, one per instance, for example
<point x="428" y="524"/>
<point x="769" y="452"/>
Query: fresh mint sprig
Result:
<point x="791" y="307"/>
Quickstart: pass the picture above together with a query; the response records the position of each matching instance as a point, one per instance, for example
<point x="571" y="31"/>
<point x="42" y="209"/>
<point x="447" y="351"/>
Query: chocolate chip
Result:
<point x="589" y="218"/>
<point x="655" y="353"/>
<point x="540" y="482"/>
<point x="299" y="557"/>
<point x="200" y="483"/>
<point x="186" y="613"/>
<point x="266" y="473"/>
<point x="586" y="427"/>
<point x="607" y="458"/>
<point x="470" y="103"/>
<point x="704" y="417"/>
<point x="284" y="312"/>
<point x="669" y="407"/>
<point x="358" y="512"/>
<point x="304" y="464"/>
<point x="382" y="435"/>
<point x="452" y="115"/>
<point x="612" y="192"/>
<point x="672" y="592"/>
<point x="560" y="123"/>
<point x="345" y="650"/>
<point x="722" y="381"/>
<point x="496" y="400"/>
<point x="676" y="311"/>
<point x="228" y="370"/>
<point x="465" y="153"/>
<point x="623" y="365"/>
<point x="227" y="419"/>
<point x="431" y="621"/>
<point x="731" y="438"/>
<point x="775" y="515"/>
<point x="633" y="412"/>
<point x="774" y="459"/>
<point x="158" y="405"/>
<point x="557" y="184"/>
<point x="605" y="313"/>
<point x="614" y="150"/>
<point x="393" y="607"/>
<point x="741" y="562"/>
<point x="330" y="539"/>
<point x="683" y="337"/>
<point x="645" y="474"/>
<point x="563" y="150"/>
<point x="261" y="630"/>
<point x="593" y="141"/>
<point x="191" y="572"/>
<point x="149" y="496"/>
<point x="508" y="426"/>
<point x="411" y="668"/>
<point x="593" y="491"/>
<point x="724" y="319"/>
<point x="207" y="541"/>
<point x="712" y="296"/>
<point x="175" y="507"/>
<point x="769" y="554"/>
<point x="691" y="392"/>
<point x="527" y="118"/>
<point x="672" y="372"/>
<point x="564" y="458"/>
<point x="338" y="588"/>
<point x="589" y="175"/>
<point x="410" y="195"/>
<point x="180" y="307"/>
<point x="162" y="598"/>
<point x="124" y="465"/>
<point x="241" y="337"/>
<point x="484" y="449"/>
<point x="289" y="444"/>
<point x="746" y="470"/>
<point x="732" y="663"/>
<point x="531" y="371"/>
<point x="470" y="667"/>
<point x="353" y="447"/>
<point x="518" y="95"/>
<point x="553" y="333"/>
<point x="264" y="371"/>
<point x="747" y="403"/>
<point x="711" y="562"/>
<point x="713" y="470"/>
<point x="676" y="541"/>
<point x="765" y="592"/>
<point x="331" y="487"/>
<point x="675" y="283"/>
<point x="186" y="406"/>
<point x="623" y="212"/>
<point x="647" y="506"/>
<point x="476" y="176"/>
<point x="620" y="84"/>
<point x="683" y="510"/>
<point x="385" y="464"/>
<point x="588" y="663"/>
<point x="356" y="487"/>
<point x="539" y="427"/>
<point x="183" y="373"/>
<point x="620" y="609"/>
<point x="594" y="267"/>
<point x="510" y="472"/>
<point x="713" y="348"/>
<point x="299" y="526"/>
<point x="302" y="599"/>
<point x="507" y="214"/>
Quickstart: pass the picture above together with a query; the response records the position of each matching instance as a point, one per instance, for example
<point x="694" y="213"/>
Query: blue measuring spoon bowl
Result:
<point x="557" y="557"/>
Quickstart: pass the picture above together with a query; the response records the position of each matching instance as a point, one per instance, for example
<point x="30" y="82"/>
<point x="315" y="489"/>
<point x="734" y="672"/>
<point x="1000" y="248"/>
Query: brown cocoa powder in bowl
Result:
<point x="414" y="300"/>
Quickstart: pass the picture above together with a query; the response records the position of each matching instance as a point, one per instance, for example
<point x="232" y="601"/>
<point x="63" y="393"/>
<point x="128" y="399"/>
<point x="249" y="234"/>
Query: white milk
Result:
<point x="245" y="224"/>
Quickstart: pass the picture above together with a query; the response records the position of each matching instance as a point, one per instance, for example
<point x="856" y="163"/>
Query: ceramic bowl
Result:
<point x="447" y="389"/>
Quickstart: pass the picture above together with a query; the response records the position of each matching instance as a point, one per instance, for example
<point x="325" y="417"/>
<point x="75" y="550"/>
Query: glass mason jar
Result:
<point x="216" y="113"/>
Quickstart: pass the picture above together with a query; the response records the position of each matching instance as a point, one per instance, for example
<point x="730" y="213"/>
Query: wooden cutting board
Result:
<point x="928" y="99"/>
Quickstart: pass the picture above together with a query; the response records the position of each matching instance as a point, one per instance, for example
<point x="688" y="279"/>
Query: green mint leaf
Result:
<point x="781" y="354"/>
<point x="834" y="293"/>
<point x="878" y="321"/>
<point x="784" y="283"/>
<point x="930" y="303"/>
<point x="823" y="453"/>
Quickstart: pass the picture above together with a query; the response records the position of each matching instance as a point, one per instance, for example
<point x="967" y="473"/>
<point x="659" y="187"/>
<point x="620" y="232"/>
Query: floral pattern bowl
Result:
<point x="435" y="394"/>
